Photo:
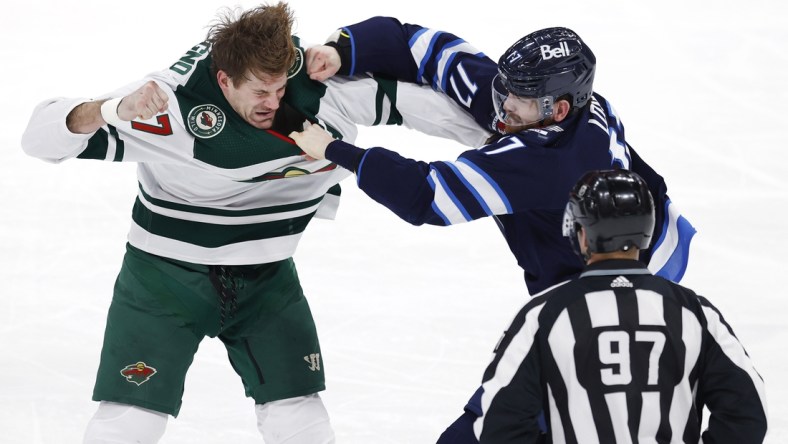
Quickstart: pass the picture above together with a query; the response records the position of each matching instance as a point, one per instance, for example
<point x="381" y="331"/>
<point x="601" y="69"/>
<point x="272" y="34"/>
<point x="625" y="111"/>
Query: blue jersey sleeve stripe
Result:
<point x="619" y="152"/>
<point x="492" y="183"/>
<point x="444" y="198"/>
<point x="415" y="37"/>
<point x="471" y="188"/>
<point x="665" y="226"/>
<point x="598" y="116"/>
<point x="419" y="49"/>
<point x="352" y="51"/>
<point x="612" y="112"/>
<point x="422" y="50"/>
<point x="360" y="165"/>
<point x="442" y="62"/>
<point x="444" y="76"/>
<point x="670" y="254"/>
<point x="457" y="47"/>
<point x="435" y="206"/>
<point x="676" y="266"/>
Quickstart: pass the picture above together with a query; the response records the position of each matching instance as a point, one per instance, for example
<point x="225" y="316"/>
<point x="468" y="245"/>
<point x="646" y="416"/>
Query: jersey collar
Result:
<point x="615" y="267"/>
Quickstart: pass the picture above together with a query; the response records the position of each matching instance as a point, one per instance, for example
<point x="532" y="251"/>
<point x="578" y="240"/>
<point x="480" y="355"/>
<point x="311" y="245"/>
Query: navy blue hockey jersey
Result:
<point x="522" y="179"/>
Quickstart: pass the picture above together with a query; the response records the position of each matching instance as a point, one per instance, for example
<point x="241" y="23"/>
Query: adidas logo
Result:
<point x="620" y="281"/>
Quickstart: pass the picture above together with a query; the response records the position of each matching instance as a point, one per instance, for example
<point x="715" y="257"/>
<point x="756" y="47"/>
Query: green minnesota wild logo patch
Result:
<point x="297" y="64"/>
<point x="138" y="373"/>
<point x="205" y="121"/>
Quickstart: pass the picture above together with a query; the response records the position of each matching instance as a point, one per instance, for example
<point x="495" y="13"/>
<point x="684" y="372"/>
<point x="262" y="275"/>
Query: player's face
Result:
<point x="518" y="113"/>
<point x="521" y="111"/>
<point x="256" y="99"/>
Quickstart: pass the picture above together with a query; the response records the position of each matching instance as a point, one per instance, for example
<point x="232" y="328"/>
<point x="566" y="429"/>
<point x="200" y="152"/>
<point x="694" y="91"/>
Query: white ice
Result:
<point x="407" y="315"/>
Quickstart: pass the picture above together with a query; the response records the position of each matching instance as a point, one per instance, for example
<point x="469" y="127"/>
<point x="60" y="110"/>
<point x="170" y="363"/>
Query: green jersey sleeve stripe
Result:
<point x="97" y="146"/>
<point x="387" y="88"/>
<point x="119" y="148"/>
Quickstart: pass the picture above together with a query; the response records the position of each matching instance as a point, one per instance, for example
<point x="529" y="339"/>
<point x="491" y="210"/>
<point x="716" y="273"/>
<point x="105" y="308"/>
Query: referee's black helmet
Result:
<point x="614" y="207"/>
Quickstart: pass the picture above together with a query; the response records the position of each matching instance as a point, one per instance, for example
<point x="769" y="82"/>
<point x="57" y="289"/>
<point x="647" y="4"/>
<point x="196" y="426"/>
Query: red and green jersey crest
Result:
<point x="138" y="373"/>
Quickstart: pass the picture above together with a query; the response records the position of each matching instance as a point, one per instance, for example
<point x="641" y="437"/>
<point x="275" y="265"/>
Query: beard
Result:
<point x="511" y="129"/>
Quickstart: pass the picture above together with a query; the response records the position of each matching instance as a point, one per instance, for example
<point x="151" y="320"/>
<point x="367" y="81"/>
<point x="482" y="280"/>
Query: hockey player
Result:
<point x="223" y="200"/>
<point x="551" y="127"/>
<point x="619" y="355"/>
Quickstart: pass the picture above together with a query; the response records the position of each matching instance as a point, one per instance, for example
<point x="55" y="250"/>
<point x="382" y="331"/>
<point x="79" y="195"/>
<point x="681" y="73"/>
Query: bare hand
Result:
<point x="143" y="103"/>
<point x="313" y="140"/>
<point x="322" y="62"/>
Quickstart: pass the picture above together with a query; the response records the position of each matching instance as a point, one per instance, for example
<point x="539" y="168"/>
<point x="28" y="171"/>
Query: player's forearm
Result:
<point x="398" y="183"/>
<point x="380" y="44"/>
<point x="85" y="118"/>
<point x="345" y="155"/>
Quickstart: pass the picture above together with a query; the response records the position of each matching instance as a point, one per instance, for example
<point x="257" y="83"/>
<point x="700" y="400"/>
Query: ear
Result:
<point x="582" y="240"/>
<point x="561" y="110"/>
<point x="224" y="81"/>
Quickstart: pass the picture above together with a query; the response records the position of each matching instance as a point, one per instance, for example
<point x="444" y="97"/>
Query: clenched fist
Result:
<point x="322" y="62"/>
<point x="144" y="103"/>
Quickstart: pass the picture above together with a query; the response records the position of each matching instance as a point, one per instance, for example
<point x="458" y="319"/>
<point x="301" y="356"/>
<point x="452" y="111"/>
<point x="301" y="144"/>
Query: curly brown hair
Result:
<point x="257" y="41"/>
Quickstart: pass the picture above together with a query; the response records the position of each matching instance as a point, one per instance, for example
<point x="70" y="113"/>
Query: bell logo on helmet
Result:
<point x="549" y="53"/>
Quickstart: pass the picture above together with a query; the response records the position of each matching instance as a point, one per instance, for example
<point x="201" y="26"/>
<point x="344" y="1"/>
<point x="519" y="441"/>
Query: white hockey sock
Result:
<point x="116" y="423"/>
<point x="302" y="420"/>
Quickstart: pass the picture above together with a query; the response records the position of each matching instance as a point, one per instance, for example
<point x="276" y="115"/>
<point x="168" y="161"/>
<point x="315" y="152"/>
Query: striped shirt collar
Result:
<point x="615" y="267"/>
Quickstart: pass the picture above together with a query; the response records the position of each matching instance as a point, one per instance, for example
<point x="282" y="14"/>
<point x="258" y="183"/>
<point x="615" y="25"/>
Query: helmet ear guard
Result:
<point x="571" y="228"/>
<point x="614" y="207"/>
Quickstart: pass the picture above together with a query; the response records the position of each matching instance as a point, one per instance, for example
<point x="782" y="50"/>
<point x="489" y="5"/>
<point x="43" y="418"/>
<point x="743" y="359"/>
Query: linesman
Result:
<point x="619" y="355"/>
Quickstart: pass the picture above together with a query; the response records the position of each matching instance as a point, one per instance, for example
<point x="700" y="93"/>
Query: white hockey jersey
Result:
<point x="215" y="190"/>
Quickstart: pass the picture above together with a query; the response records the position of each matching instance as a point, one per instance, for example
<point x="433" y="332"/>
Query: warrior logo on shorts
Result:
<point x="313" y="360"/>
<point x="297" y="64"/>
<point x="138" y="373"/>
<point x="205" y="121"/>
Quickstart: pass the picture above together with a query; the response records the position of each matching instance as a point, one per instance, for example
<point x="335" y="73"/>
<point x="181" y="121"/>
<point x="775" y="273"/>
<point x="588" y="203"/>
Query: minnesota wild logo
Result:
<point x="138" y="373"/>
<point x="289" y="172"/>
<point x="297" y="64"/>
<point x="205" y="121"/>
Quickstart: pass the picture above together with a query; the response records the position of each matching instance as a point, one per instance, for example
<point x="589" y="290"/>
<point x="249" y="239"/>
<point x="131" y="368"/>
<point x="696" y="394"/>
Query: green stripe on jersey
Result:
<point x="214" y="235"/>
<point x="97" y="147"/>
<point x="229" y="213"/>
<point x="387" y="87"/>
<point x="335" y="190"/>
<point x="120" y="148"/>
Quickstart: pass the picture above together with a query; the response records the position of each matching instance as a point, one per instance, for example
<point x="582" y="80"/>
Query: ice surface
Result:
<point x="407" y="315"/>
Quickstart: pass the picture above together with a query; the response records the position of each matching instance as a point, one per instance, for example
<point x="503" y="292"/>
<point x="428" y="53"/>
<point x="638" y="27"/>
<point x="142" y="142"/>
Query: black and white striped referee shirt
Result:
<point x="621" y="356"/>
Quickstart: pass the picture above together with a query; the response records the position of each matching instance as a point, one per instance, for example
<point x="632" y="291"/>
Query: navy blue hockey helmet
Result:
<point x="616" y="209"/>
<point x="545" y="65"/>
